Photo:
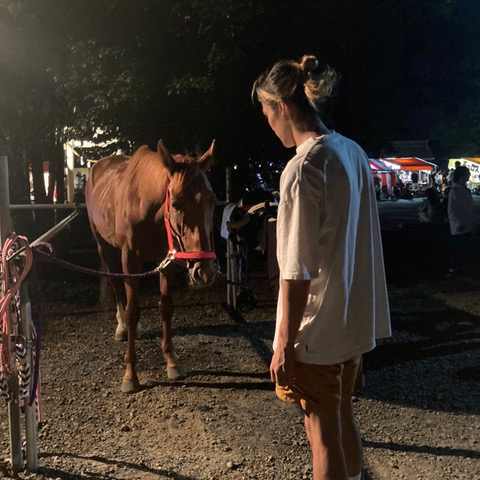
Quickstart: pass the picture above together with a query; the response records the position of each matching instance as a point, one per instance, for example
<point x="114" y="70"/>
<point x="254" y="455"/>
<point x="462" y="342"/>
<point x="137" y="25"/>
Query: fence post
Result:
<point x="30" y="410"/>
<point x="231" y="267"/>
<point x="5" y="219"/>
<point x="228" y="173"/>
<point x="16" y="456"/>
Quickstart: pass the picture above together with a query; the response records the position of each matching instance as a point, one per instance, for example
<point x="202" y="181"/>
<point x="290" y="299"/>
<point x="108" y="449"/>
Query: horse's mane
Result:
<point x="186" y="169"/>
<point x="141" y="152"/>
<point x="186" y="158"/>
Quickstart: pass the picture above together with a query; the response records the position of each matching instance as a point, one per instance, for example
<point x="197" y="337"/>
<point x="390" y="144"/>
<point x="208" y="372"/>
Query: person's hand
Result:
<point x="282" y="366"/>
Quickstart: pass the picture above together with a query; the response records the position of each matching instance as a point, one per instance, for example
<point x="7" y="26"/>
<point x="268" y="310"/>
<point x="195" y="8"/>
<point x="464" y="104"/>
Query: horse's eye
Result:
<point x="176" y="206"/>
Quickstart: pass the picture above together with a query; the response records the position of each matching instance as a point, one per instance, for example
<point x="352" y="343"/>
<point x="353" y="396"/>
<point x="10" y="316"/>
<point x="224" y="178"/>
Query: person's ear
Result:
<point x="283" y="109"/>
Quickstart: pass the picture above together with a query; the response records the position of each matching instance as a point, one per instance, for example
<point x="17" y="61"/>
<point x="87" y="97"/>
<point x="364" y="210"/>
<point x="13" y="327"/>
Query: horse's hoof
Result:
<point x="130" y="386"/>
<point x="121" y="336"/>
<point x="176" y="373"/>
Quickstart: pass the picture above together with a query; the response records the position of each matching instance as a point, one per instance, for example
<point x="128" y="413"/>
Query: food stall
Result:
<point x="414" y="172"/>
<point x="383" y="176"/>
<point x="473" y="164"/>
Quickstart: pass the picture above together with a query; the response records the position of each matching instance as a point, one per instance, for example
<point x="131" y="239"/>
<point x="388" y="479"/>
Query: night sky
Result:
<point x="182" y="71"/>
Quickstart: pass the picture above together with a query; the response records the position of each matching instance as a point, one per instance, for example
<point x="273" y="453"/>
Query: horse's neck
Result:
<point x="148" y="178"/>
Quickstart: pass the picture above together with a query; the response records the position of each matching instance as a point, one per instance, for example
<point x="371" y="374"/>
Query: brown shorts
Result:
<point x="320" y="388"/>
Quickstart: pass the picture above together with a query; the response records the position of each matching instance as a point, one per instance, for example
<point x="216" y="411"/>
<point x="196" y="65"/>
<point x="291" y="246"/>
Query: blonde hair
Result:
<point x="295" y="82"/>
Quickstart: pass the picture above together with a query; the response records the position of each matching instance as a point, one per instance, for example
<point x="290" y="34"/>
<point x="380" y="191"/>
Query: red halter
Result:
<point x="180" y="258"/>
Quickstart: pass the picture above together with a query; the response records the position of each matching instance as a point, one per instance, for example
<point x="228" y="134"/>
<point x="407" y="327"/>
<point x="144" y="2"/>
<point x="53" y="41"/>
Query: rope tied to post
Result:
<point x="44" y="251"/>
<point x="12" y="275"/>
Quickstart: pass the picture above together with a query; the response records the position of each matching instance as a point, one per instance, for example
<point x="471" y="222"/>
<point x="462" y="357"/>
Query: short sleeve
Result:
<point x="299" y="223"/>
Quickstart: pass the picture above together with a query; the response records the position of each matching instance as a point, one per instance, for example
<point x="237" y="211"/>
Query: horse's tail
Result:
<point x="107" y="295"/>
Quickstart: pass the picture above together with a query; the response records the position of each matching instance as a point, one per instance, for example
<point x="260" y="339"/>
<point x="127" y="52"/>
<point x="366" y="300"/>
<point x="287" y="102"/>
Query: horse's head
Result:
<point x="191" y="202"/>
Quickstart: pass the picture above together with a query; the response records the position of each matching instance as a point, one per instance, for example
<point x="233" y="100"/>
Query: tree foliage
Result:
<point x="182" y="70"/>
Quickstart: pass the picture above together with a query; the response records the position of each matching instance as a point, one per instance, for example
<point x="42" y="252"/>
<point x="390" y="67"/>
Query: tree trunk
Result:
<point x="36" y="161"/>
<point x="56" y="173"/>
<point x="44" y="219"/>
<point x="19" y="182"/>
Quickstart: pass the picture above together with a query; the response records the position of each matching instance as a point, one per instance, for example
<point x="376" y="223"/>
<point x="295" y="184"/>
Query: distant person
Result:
<point x="414" y="179"/>
<point x="460" y="217"/>
<point x="385" y="193"/>
<point x="377" y="185"/>
<point x="396" y="192"/>
<point x="444" y="201"/>
<point x="430" y="210"/>
<point x="333" y="299"/>
<point x="450" y="176"/>
<point x="78" y="181"/>
<point x="432" y="215"/>
<point x="445" y="182"/>
<point x="79" y="188"/>
<point x="399" y="189"/>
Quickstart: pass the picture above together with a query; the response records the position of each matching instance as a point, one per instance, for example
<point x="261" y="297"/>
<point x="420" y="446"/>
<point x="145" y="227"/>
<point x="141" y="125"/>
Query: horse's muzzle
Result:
<point x="203" y="273"/>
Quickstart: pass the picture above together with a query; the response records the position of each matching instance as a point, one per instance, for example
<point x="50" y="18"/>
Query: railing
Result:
<point x="22" y="326"/>
<point x="14" y="412"/>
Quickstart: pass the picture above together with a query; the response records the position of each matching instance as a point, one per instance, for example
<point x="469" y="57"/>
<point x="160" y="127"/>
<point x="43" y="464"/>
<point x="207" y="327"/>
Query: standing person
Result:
<point x="430" y="210"/>
<point x="333" y="299"/>
<point x="450" y="176"/>
<point x="460" y="217"/>
<point x="414" y="179"/>
<point x="432" y="215"/>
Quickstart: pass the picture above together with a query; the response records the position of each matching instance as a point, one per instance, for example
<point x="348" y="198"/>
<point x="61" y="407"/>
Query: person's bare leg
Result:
<point x="351" y="440"/>
<point x="324" y="435"/>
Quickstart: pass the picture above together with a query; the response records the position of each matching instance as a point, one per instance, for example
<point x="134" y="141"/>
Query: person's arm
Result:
<point x="456" y="207"/>
<point x="294" y="300"/>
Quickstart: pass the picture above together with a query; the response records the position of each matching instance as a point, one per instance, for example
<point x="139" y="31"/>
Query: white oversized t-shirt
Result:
<point x="460" y="209"/>
<point x="328" y="232"/>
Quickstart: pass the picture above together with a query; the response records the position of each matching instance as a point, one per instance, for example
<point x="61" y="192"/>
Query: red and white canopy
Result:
<point x="378" y="166"/>
<point x="385" y="174"/>
<point x="409" y="163"/>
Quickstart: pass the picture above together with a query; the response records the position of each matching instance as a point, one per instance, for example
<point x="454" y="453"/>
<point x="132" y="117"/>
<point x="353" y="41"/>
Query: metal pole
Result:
<point x="16" y="454"/>
<point x="16" y="457"/>
<point x="228" y="175"/>
<point x="47" y="235"/>
<point x="14" y="418"/>
<point x="48" y="206"/>
<point x="231" y="262"/>
<point x="229" y="290"/>
<point x="5" y="219"/>
<point x="234" y="269"/>
<point x="30" y="410"/>
<point x="57" y="228"/>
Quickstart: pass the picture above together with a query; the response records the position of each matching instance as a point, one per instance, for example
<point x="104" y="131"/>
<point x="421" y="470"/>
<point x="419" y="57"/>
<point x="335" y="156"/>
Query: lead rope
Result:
<point x="13" y="355"/>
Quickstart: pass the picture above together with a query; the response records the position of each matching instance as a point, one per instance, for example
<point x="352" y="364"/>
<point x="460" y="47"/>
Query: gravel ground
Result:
<point x="418" y="414"/>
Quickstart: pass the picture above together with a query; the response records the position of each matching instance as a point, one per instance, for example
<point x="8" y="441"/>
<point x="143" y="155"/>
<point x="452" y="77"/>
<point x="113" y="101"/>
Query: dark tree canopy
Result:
<point x="182" y="70"/>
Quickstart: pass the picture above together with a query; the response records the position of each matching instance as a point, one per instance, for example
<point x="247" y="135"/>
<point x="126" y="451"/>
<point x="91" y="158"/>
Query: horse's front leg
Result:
<point x="130" y="383"/>
<point x="174" y="369"/>
<point x="121" y="332"/>
<point x="109" y="256"/>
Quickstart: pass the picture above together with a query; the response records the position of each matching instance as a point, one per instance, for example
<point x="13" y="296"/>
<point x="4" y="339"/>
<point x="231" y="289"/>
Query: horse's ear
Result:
<point x="205" y="161"/>
<point x="166" y="156"/>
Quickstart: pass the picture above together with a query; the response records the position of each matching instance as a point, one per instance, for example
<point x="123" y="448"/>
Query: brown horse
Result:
<point x="145" y="208"/>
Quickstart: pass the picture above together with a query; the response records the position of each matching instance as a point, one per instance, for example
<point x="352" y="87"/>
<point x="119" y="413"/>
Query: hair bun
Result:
<point x="308" y="63"/>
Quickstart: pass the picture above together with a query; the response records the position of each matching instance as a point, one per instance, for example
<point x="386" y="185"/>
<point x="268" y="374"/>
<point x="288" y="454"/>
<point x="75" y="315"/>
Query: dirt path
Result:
<point x="419" y="414"/>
